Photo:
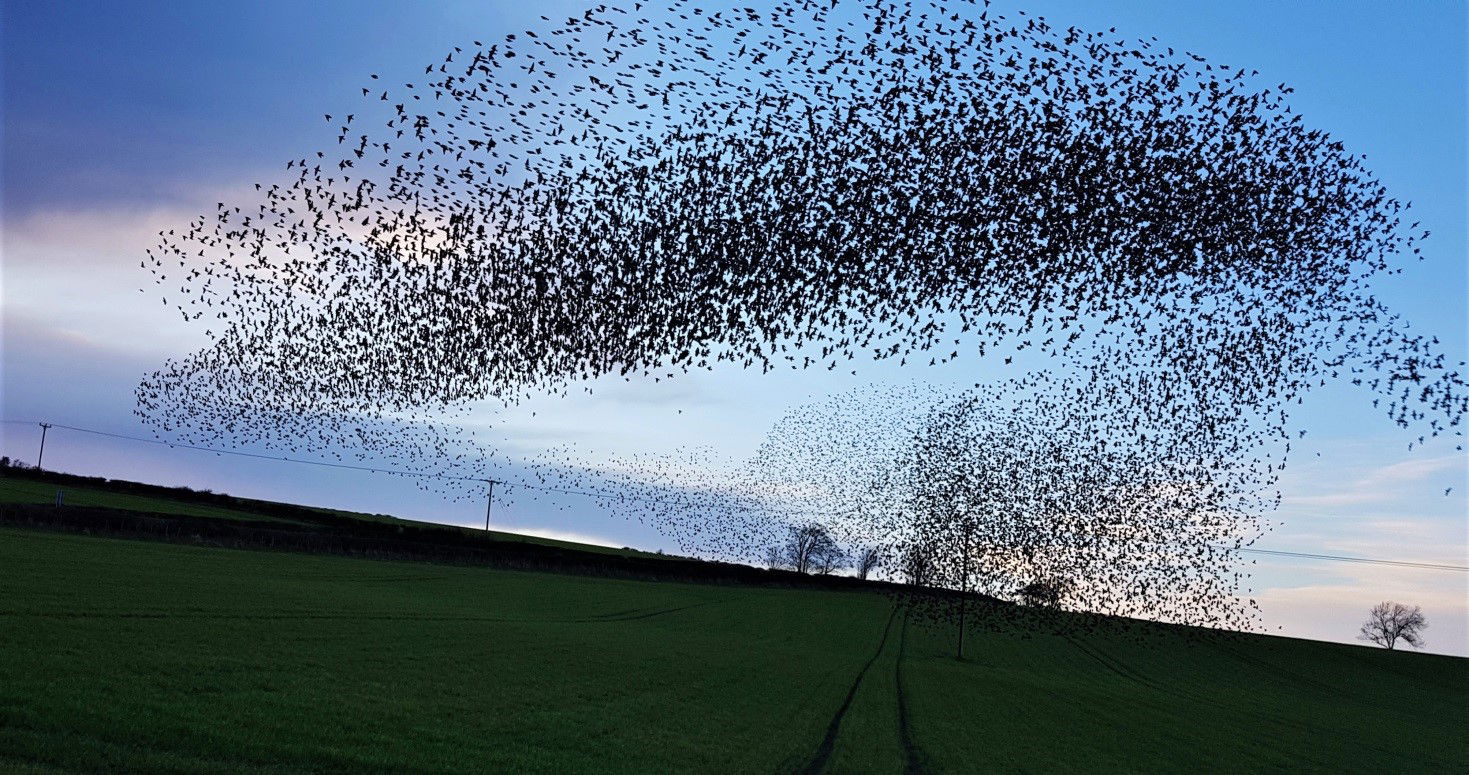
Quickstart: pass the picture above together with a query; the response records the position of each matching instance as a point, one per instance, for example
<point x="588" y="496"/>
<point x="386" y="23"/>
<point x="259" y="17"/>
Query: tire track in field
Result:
<point x="1276" y="670"/>
<point x="1120" y="668"/>
<point x="1113" y="665"/>
<point x="912" y="756"/>
<point x="638" y="613"/>
<point x="823" y="752"/>
<point x="1117" y="666"/>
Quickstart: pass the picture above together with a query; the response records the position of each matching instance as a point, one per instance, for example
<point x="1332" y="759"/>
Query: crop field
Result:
<point x="118" y="654"/>
<point x="17" y="487"/>
<point x="14" y="489"/>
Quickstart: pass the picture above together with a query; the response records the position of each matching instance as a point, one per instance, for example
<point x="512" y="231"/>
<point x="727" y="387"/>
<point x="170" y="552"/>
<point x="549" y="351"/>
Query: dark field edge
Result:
<point x="265" y="508"/>
<point x="318" y="531"/>
<point x="276" y="510"/>
<point x="386" y="541"/>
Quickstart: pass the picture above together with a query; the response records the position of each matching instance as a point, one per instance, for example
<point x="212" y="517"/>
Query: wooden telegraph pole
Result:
<point x="45" y="426"/>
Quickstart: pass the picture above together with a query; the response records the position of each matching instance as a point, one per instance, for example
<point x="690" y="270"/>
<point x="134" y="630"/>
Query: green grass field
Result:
<point x="15" y="487"/>
<point x="157" y="657"/>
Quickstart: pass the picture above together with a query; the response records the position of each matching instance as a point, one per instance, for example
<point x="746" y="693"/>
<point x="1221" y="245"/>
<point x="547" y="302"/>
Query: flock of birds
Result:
<point x="639" y="192"/>
<point x="1111" y="505"/>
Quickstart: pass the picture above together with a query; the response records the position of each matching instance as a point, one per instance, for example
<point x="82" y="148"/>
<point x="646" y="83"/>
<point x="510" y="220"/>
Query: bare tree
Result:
<point x="808" y="548"/>
<point x="867" y="559"/>
<point x="1043" y="593"/>
<point x="1389" y="622"/>
<point x="829" y="556"/>
<point x="917" y="564"/>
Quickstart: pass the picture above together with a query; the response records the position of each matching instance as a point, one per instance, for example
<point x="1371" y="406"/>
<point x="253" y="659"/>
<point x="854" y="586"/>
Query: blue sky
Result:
<point x="123" y="118"/>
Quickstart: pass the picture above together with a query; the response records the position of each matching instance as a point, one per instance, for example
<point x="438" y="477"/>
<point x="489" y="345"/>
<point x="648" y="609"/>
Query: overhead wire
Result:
<point x="615" y="496"/>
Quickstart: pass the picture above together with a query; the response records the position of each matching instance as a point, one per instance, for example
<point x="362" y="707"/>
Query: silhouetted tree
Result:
<point x="1043" y="593"/>
<point x="917" y="564"/>
<point x="1390" y="622"/>
<point x="867" y="559"/>
<point x="827" y="557"/>
<point x="808" y="548"/>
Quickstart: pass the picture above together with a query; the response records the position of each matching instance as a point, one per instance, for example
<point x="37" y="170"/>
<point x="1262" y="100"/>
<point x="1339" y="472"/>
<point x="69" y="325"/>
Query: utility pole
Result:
<point x="44" y="427"/>
<point x="490" y="502"/>
<point x="963" y="587"/>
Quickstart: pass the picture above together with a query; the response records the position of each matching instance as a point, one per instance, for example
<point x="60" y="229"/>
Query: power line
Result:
<point x="372" y="469"/>
<point x="280" y="458"/>
<point x="623" y="497"/>
<point x="1372" y="560"/>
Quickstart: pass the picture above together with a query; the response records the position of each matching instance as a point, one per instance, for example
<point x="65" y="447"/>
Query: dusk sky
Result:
<point x="124" y="118"/>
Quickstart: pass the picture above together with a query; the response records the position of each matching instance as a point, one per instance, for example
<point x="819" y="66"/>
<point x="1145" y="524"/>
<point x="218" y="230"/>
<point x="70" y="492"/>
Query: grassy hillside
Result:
<point x="163" y="657"/>
<point x="25" y="486"/>
<point x="15" y="488"/>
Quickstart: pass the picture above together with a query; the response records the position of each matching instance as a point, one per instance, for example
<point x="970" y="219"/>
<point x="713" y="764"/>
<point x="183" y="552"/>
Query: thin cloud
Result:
<point x="1382" y="484"/>
<point x="1327" y="610"/>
